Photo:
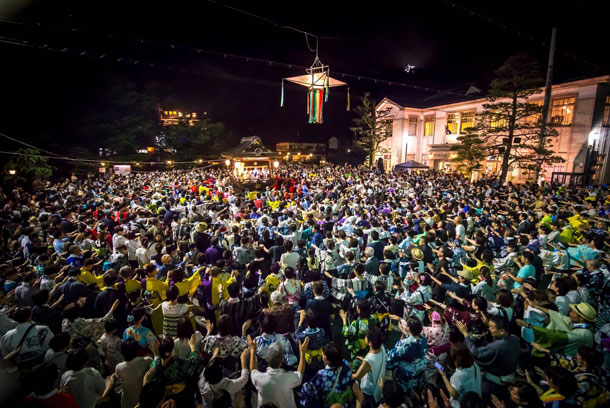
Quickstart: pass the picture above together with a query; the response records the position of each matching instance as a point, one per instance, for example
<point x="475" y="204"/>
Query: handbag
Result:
<point x="334" y="397"/>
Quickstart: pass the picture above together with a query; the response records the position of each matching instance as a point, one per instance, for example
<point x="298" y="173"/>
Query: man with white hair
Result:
<point x="371" y="266"/>
<point x="275" y="384"/>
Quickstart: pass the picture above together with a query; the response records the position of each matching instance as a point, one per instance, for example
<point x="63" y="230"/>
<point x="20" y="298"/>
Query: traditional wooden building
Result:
<point x="250" y="155"/>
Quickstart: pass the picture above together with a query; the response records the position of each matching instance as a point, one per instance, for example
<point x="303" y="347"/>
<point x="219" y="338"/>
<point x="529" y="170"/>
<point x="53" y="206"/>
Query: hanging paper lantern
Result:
<point x="318" y="82"/>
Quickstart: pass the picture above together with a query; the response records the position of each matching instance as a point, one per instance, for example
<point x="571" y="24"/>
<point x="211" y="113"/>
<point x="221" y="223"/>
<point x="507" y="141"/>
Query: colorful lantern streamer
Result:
<point x="318" y="81"/>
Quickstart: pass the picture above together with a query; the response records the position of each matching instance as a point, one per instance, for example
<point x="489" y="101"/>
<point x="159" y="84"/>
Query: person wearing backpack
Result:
<point x="330" y="385"/>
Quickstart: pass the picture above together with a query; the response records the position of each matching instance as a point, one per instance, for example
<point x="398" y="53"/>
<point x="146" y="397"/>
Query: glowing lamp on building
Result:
<point x="227" y="162"/>
<point x="169" y="162"/>
<point x="276" y="164"/>
<point x="199" y="161"/>
<point x="12" y="172"/>
<point x="103" y="164"/>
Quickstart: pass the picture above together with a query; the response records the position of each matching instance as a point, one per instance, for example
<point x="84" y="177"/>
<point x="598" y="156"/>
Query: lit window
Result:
<point x="537" y="117"/>
<point x="497" y="121"/>
<point x="467" y="121"/>
<point x="166" y="113"/>
<point x="452" y="123"/>
<point x="429" y="126"/>
<point x="606" y="118"/>
<point x="562" y="111"/>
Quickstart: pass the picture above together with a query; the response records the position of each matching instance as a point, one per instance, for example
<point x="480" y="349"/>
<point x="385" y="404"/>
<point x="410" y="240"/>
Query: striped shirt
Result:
<point x="340" y="286"/>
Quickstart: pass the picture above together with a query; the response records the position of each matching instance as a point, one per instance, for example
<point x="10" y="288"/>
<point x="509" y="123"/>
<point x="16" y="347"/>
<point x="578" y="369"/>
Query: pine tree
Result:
<point x="470" y="150"/>
<point x="373" y="127"/>
<point x="510" y="125"/>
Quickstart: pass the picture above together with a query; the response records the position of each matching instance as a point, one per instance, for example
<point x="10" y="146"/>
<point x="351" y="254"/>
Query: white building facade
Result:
<point x="579" y="109"/>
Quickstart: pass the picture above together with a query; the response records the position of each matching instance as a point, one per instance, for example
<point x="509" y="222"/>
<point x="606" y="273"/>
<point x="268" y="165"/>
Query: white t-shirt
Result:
<point x="275" y="385"/>
<point x="465" y="380"/>
<point x="176" y="310"/>
<point x="209" y="391"/>
<point x="86" y="386"/>
<point x="370" y="382"/>
<point x="143" y="256"/>
<point x="131" y="375"/>
<point x="460" y="232"/>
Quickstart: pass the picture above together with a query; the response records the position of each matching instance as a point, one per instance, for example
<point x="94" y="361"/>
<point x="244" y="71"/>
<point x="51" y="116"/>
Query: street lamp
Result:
<point x="349" y="150"/>
<point x="276" y="164"/>
<point x="12" y="172"/>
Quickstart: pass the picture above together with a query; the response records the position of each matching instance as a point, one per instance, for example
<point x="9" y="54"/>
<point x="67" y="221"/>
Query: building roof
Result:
<point x="251" y="146"/>
<point x="451" y="99"/>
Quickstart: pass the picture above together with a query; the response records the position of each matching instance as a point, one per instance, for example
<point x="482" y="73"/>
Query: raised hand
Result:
<point x="303" y="346"/>
<point x="496" y="401"/>
<point x="251" y="344"/>
<point x="462" y="328"/>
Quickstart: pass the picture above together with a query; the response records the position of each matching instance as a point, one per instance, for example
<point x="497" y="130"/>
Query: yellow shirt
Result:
<point x="189" y="285"/>
<point x="223" y="279"/>
<point x="476" y="271"/>
<point x="272" y="282"/>
<point x="88" y="278"/>
<point x="132" y="284"/>
<point x="158" y="288"/>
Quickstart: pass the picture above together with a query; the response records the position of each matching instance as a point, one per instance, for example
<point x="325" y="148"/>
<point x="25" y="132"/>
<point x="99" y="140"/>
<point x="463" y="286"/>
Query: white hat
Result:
<point x="277" y="297"/>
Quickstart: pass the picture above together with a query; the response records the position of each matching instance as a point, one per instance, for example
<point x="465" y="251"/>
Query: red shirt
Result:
<point x="57" y="400"/>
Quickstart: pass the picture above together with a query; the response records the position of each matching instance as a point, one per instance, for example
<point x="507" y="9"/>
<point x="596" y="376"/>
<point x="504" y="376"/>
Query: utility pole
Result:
<point x="547" y="96"/>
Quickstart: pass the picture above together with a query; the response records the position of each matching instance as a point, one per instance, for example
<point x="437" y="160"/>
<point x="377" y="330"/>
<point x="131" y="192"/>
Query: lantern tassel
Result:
<point x="309" y="100"/>
<point x="326" y="89"/>
<point x="348" y="102"/>
<point x="282" y="97"/>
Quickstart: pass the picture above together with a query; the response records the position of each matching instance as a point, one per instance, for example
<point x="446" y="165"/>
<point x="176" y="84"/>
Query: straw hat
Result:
<point x="417" y="254"/>
<point x="584" y="310"/>
<point x="466" y="274"/>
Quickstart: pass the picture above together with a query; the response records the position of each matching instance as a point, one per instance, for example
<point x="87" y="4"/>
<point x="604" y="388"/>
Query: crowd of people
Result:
<point x="334" y="286"/>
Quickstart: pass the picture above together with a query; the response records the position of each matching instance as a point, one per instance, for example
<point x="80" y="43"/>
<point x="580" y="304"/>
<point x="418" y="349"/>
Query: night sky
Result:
<point x="45" y="93"/>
